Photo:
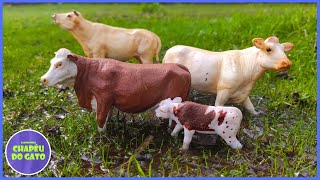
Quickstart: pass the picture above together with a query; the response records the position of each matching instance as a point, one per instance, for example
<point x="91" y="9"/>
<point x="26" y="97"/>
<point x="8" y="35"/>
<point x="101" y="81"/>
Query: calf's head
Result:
<point x="165" y="109"/>
<point x="67" y="21"/>
<point x="272" y="53"/>
<point x="62" y="70"/>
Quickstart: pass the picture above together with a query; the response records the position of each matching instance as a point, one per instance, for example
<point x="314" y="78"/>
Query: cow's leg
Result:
<point x="187" y="138"/>
<point x="146" y="58"/>
<point x="176" y="130"/>
<point x="170" y="122"/>
<point x="249" y="106"/>
<point x="99" y="53"/>
<point x="105" y="123"/>
<point x="103" y="110"/>
<point x="222" y="97"/>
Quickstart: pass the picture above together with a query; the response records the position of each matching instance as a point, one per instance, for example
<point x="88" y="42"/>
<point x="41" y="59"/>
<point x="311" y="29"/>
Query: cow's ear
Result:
<point x="164" y="108"/>
<point x="272" y="39"/>
<point x="177" y="100"/>
<point x="287" y="46"/>
<point x="72" y="58"/>
<point x="76" y="13"/>
<point x="259" y="43"/>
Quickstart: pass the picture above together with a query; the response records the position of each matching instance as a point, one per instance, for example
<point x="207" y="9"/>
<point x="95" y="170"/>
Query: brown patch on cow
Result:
<point x="227" y="126"/>
<point x="193" y="115"/>
<point x="221" y="117"/>
<point x="226" y="122"/>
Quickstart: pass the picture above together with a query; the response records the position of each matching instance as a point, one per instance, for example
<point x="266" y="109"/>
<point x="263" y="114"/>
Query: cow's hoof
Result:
<point x="205" y="139"/>
<point x="175" y="135"/>
<point x="258" y="112"/>
<point x="101" y="130"/>
<point x="183" y="151"/>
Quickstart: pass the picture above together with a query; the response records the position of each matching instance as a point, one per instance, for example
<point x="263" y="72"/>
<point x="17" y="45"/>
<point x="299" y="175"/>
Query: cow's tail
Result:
<point x="158" y="48"/>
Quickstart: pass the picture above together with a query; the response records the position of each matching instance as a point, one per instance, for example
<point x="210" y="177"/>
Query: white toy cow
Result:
<point x="103" y="41"/>
<point x="194" y="117"/>
<point x="231" y="74"/>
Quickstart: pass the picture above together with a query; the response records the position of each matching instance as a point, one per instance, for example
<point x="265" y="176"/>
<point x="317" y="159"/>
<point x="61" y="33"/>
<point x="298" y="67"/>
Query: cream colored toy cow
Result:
<point x="103" y="41"/>
<point x="231" y="74"/>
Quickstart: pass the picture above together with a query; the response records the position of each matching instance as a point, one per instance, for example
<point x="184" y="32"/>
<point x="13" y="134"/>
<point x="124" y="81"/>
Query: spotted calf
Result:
<point x="194" y="117"/>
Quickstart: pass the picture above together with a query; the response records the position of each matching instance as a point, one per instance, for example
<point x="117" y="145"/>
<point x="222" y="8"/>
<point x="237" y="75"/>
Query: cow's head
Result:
<point x="166" y="107"/>
<point x="272" y="54"/>
<point x="67" y="21"/>
<point x="62" y="70"/>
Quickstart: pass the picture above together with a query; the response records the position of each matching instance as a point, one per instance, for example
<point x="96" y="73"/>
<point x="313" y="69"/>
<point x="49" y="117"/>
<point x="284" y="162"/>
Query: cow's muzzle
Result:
<point x="54" y="17"/>
<point x="283" y="65"/>
<point x="44" y="81"/>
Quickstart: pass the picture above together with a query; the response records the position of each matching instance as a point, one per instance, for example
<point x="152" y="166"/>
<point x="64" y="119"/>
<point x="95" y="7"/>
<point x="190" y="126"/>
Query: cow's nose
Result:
<point x="284" y="64"/>
<point x="44" y="81"/>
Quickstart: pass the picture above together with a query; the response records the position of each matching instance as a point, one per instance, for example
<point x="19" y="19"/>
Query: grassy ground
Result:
<point x="281" y="142"/>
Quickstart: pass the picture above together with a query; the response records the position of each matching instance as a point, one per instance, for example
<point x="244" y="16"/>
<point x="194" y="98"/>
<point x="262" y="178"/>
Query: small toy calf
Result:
<point x="192" y="117"/>
<point x="101" y="84"/>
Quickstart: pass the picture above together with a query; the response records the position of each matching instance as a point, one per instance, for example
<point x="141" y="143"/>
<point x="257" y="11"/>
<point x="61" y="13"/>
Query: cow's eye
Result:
<point x="69" y="16"/>
<point x="268" y="49"/>
<point x="58" y="64"/>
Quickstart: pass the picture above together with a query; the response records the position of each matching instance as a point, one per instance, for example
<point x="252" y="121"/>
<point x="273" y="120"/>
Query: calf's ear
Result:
<point x="259" y="43"/>
<point x="72" y="58"/>
<point x="287" y="46"/>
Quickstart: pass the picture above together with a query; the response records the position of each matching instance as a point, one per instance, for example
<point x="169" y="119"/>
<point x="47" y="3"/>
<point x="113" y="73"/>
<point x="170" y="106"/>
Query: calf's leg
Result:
<point x="228" y="131"/>
<point x="187" y="138"/>
<point x="176" y="130"/>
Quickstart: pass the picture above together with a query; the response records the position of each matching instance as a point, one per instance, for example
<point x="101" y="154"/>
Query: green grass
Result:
<point x="286" y="145"/>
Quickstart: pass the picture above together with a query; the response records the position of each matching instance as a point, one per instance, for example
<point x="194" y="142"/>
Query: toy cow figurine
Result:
<point x="103" y="41"/>
<point x="104" y="83"/>
<point x="194" y="117"/>
<point x="231" y="74"/>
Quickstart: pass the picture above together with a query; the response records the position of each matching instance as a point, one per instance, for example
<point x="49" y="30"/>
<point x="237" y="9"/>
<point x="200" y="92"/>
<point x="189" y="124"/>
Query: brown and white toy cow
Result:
<point x="104" y="83"/>
<point x="194" y="117"/>
<point x="231" y="74"/>
<point x="103" y="41"/>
